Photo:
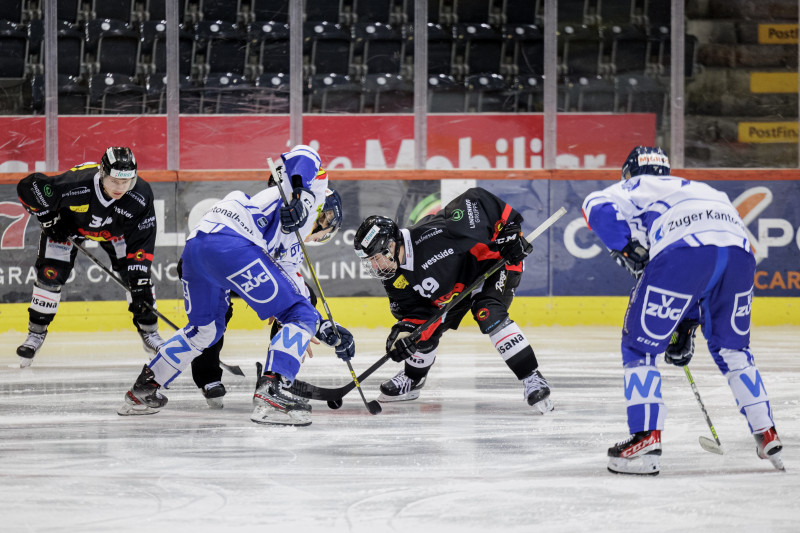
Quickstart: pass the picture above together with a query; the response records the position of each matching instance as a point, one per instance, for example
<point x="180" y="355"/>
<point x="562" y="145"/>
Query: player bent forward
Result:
<point x="234" y="248"/>
<point x="107" y="203"/>
<point x="688" y="248"/>
<point x="423" y="267"/>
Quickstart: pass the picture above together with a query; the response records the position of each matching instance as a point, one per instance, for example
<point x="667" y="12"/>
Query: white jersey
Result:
<point x="664" y="211"/>
<point x="257" y="218"/>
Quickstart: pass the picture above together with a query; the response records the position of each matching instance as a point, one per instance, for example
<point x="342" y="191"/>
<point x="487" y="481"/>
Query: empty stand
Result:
<point x="591" y="95"/>
<point x="446" y="94"/>
<point x="388" y="93"/>
<point x="526" y="45"/>
<point x="614" y="11"/>
<point x="221" y="10"/>
<point x="482" y="47"/>
<point x="582" y="50"/>
<point x="630" y="48"/>
<point x="117" y="94"/>
<point x="13" y="49"/>
<point x="521" y="11"/>
<point x="475" y="11"/>
<point x="381" y="46"/>
<point x="269" y="46"/>
<point x="643" y="94"/>
<point x="489" y="93"/>
<point x="322" y="11"/>
<point x="272" y="94"/>
<point x="223" y="47"/>
<point x="328" y="47"/>
<point x="382" y="11"/>
<point x="226" y="94"/>
<point x="334" y="93"/>
<point x="270" y="10"/>
<point x="11" y="10"/>
<point x="112" y="9"/>
<point x="115" y="45"/>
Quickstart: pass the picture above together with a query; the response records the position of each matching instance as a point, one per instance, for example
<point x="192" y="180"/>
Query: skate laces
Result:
<point x="401" y="379"/>
<point x="34" y="340"/>
<point x="152" y="340"/>
<point x="534" y="382"/>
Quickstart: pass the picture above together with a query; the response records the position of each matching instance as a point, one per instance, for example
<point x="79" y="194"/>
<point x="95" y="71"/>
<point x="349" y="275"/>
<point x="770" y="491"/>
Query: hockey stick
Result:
<point x="373" y="407"/>
<point x="307" y="390"/>
<point x="233" y="369"/>
<point x="713" y="446"/>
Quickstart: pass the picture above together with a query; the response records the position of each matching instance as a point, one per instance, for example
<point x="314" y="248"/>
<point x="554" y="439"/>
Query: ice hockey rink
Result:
<point x="469" y="455"/>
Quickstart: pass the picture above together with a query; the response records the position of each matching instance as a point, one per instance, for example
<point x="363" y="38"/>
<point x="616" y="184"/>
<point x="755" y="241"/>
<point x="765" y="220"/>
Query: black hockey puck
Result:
<point x="335" y="404"/>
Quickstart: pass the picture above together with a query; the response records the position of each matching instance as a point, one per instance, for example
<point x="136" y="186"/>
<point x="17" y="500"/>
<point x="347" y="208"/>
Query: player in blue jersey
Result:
<point x="688" y="248"/>
<point x="241" y="245"/>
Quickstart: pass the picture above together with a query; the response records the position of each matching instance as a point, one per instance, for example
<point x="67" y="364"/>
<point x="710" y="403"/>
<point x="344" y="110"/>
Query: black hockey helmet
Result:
<point x="330" y="216"/>
<point x="650" y="160"/>
<point x="372" y="238"/>
<point x="119" y="163"/>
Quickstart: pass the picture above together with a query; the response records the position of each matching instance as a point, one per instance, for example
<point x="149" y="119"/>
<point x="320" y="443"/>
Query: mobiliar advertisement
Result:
<point x="568" y="260"/>
<point x="480" y="141"/>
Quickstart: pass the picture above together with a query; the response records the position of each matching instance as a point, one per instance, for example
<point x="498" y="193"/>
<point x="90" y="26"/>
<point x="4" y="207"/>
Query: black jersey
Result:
<point x="77" y="196"/>
<point x="447" y="252"/>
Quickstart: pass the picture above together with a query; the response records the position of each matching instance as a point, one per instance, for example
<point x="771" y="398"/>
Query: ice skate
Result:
<point x="271" y="405"/>
<point x="537" y="392"/>
<point x="151" y="340"/>
<point x="768" y="446"/>
<point x="401" y="388"/>
<point x="28" y="349"/>
<point x="143" y="398"/>
<point x="213" y="393"/>
<point x="638" y="454"/>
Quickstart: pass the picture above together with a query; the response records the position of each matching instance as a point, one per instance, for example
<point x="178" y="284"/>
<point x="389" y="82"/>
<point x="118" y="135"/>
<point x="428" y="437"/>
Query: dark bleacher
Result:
<point x="483" y="55"/>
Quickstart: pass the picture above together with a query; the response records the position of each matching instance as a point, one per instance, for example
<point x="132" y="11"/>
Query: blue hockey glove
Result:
<point x="399" y="345"/>
<point x="511" y="244"/>
<point x="294" y="215"/>
<point x="633" y="258"/>
<point x="681" y="345"/>
<point x="343" y="343"/>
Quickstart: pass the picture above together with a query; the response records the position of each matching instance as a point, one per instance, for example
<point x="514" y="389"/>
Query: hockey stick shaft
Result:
<point x="307" y="390"/>
<point x="373" y="408"/>
<point x="702" y="405"/>
<point x="233" y="369"/>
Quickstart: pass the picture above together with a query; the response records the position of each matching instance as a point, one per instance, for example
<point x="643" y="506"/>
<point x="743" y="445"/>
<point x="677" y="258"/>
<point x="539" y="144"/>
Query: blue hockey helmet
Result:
<point x="650" y="160"/>
<point x="330" y="218"/>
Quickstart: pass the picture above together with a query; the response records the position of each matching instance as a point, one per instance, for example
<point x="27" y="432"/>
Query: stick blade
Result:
<point x="710" y="446"/>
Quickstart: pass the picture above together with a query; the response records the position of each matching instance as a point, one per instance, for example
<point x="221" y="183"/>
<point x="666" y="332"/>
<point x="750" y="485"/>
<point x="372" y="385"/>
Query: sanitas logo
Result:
<point x="436" y="257"/>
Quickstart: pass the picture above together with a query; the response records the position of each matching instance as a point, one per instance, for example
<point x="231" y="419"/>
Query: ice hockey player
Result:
<point x="688" y="248"/>
<point x="234" y="248"/>
<point x="206" y="370"/>
<point x="107" y="203"/>
<point x="423" y="267"/>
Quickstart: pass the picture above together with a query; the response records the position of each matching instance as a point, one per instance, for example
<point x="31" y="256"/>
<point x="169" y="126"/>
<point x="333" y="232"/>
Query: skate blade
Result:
<point x="646" y="465"/>
<point x="131" y="410"/>
<point x="215" y="403"/>
<point x="544" y="406"/>
<point x="25" y="362"/>
<point x="413" y="395"/>
<point x="267" y="416"/>
<point x="777" y="461"/>
<point x="710" y="446"/>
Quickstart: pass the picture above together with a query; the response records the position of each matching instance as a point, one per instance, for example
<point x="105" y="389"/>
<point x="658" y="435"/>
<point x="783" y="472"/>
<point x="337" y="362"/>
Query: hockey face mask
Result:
<point x="382" y="265"/>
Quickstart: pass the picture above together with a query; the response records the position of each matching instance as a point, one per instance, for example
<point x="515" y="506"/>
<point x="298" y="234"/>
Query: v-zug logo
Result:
<point x="661" y="311"/>
<point x="255" y="282"/>
<point x="740" y="318"/>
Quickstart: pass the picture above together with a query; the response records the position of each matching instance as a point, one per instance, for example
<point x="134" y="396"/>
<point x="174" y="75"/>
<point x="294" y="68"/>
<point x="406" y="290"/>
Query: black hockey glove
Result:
<point x="294" y="215"/>
<point x="141" y="296"/>
<point x="681" y="346"/>
<point x="633" y="258"/>
<point x="399" y="345"/>
<point x="511" y="244"/>
<point x="57" y="228"/>
<point x="345" y="346"/>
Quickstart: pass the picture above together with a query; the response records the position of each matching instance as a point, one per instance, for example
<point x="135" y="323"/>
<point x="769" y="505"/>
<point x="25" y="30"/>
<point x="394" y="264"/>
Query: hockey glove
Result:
<point x="141" y="296"/>
<point x="511" y="244"/>
<point x="633" y="258"/>
<point x="294" y="215"/>
<point x="343" y="342"/>
<point x="58" y="229"/>
<point x="399" y="345"/>
<point x="681" y="346"/>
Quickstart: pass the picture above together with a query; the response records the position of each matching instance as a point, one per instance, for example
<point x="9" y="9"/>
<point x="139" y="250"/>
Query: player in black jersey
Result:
<point x="423" y="267"/>
<point x="107" y="203"/>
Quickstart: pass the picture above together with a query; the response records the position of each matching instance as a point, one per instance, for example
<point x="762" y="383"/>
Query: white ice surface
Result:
<point x="469" y="455"/>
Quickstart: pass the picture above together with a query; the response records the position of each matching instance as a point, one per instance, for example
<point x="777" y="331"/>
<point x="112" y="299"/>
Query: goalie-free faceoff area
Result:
<point x="468" y="455"/>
